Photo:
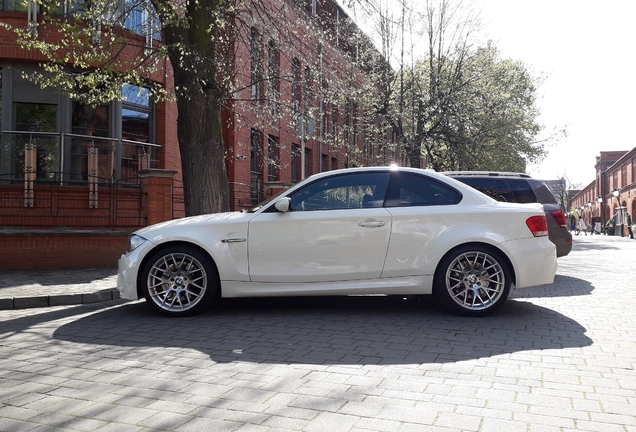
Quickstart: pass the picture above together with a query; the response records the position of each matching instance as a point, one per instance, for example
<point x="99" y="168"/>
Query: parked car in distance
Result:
<point x="360" y="231"/>
<point x="521" y="188"/>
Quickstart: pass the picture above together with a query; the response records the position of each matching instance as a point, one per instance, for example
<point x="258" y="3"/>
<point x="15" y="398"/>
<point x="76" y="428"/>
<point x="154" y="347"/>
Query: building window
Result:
<point x="307" y="89"/>
<point x="136" y="113"/>
<point x="136" y="125"/>
<point x="256" y="65"/>
<point x="624" y="175"/>
<point x="35" y="117"/>
<point x="295" y="163"/>
<point x="256" y="187"/>
<point x="296" y="85"/>
<point x="273" y="83"/>
<point x="272" y="158"/>
<point x="308" y="164"/>
<point x="16" y="5"/>
<point x="91" y="124"/>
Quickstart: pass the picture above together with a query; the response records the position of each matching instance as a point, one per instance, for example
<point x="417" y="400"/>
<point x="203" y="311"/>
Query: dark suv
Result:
<point x="521" y="188"/>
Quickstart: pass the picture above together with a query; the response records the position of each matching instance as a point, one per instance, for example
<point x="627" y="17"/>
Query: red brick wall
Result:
<point x="32" y="250"/>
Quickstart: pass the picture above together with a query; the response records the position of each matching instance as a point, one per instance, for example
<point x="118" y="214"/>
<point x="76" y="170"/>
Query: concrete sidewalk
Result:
<point x="42" y="288"/>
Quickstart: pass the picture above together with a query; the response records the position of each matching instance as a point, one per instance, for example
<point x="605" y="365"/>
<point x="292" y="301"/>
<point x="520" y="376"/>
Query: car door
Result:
<point x="336" y="230"/>
<point x="422" y="210"/>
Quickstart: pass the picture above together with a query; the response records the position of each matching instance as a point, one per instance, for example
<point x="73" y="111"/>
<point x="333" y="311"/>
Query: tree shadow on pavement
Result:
<point x="331" y="331"/>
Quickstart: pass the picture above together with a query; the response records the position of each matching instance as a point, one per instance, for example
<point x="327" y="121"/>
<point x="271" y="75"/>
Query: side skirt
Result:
<point x="416" y="285"/>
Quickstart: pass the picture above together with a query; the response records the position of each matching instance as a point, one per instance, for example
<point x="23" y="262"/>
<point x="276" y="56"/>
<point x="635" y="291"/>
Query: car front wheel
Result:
<point x="472" y="281"/>
<point x="179" y="281"/>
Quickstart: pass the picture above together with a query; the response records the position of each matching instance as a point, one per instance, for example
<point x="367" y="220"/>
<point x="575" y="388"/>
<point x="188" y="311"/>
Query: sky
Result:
<point x="587" y="49"/>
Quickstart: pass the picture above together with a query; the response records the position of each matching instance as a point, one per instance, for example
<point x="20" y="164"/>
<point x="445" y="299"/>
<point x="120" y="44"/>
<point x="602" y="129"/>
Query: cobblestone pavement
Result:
<point x="555" y="358"/>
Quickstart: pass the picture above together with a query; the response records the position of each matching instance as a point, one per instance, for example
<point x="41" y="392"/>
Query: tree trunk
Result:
<point x="200" y="133"/>
<point x="193" y="54"/>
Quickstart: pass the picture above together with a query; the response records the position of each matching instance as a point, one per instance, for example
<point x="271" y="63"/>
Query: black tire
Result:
<point x="472" y="280"/>
<point x="179" y="280"/>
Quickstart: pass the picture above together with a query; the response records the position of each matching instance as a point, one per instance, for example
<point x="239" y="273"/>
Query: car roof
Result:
<point x="487" y="174"/>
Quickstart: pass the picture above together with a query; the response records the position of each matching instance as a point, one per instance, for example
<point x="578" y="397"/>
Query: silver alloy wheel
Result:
<point x="475" y="280"/>
<point x="177" y="282"/>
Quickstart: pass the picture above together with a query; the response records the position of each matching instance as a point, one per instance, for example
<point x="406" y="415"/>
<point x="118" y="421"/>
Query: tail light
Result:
<point x="559" y="217"/>
<point x="538" y="225"/>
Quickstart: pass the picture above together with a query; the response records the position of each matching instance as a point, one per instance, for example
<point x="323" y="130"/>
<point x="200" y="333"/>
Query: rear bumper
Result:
<point x="534" y="261"/>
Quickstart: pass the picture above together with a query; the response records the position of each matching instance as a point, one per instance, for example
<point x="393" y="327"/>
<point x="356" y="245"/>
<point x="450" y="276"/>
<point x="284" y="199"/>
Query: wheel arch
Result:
<point x="166" y="245"/>
<point x="511" y="267"/>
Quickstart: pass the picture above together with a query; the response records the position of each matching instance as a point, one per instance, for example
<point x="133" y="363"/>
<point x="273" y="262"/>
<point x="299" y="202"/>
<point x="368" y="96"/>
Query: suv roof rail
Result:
<point x="487" y="173"/>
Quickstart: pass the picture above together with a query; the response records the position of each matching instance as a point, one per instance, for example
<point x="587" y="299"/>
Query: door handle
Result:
<point x="371" y="223"/>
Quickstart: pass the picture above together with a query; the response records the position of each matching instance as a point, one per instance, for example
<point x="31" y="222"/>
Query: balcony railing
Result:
<point x="48" y="157"/>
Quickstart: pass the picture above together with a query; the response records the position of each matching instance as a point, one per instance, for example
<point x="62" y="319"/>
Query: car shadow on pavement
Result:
<point x="563" y="286"/>
<point x="331" y="331"/>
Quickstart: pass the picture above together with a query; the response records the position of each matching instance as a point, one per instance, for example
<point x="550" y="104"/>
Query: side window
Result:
<point x="493" y="187"/>
<point x="522" y="191"/>
<point x="346" y="191"/>
<point x="409" y="190"/>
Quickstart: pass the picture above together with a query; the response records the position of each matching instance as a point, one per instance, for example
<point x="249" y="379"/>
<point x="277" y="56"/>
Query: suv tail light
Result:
<point x="538" y="225"/>
<point x="559" y="217"/>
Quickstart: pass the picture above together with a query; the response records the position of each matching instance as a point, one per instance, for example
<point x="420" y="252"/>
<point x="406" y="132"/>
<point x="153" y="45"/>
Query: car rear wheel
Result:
<point x="179" y="281"/>
<point x="472" y="281"/>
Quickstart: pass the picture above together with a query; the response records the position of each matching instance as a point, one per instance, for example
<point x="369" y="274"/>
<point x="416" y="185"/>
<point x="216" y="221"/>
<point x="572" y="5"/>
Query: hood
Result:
<point x="208" y="219"/>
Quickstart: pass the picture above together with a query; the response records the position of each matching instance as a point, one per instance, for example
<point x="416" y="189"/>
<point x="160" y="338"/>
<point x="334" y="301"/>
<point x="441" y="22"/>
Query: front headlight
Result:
<point x="134" y="241"/>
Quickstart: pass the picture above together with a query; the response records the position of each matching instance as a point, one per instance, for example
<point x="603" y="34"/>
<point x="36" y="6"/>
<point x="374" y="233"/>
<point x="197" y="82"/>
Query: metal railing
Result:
<point x="66" y="158"/>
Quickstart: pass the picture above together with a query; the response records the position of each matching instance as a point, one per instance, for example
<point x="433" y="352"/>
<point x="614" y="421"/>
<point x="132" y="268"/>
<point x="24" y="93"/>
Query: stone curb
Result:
<point x="58" y="300"/>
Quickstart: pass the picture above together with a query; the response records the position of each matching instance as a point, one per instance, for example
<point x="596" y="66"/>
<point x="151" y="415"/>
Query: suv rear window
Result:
<point x="493" y="187"/>
<point x="518" y="190"/>
<point x="522" y="191"/>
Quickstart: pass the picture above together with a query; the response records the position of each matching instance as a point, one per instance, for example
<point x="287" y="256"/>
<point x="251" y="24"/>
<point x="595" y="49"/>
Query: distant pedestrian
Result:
<point x="572" y="223"/>
<point x="581" y="226"/>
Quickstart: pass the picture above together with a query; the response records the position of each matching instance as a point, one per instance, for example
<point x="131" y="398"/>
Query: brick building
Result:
<point x="612" y="194"/>
<point x="69" y="173"/>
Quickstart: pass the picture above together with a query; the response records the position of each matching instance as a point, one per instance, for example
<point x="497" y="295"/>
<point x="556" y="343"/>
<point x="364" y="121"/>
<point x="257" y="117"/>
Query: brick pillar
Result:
<point x="157" y="188"/>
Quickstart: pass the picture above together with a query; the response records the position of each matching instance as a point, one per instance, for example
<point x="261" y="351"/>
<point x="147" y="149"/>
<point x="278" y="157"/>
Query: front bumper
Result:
<point x="128" y="268"/>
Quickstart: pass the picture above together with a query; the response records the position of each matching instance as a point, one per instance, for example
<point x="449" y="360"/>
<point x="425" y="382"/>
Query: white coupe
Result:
<point x="361" y="231"/>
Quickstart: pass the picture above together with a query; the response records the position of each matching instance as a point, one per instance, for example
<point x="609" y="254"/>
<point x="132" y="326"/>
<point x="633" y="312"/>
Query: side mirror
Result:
<point x="283" y="204"/>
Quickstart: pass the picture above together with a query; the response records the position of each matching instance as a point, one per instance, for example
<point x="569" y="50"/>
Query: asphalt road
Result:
<point x="558" y="357"/>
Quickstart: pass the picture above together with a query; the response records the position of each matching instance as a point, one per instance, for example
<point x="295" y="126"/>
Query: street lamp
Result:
<point x="618" y="226"/>
<point x="599" y="200"/>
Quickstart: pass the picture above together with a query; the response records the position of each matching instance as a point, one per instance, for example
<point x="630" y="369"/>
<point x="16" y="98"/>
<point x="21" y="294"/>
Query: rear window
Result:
<point x="522" y="191"/>
<point x="544" y="196"/>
